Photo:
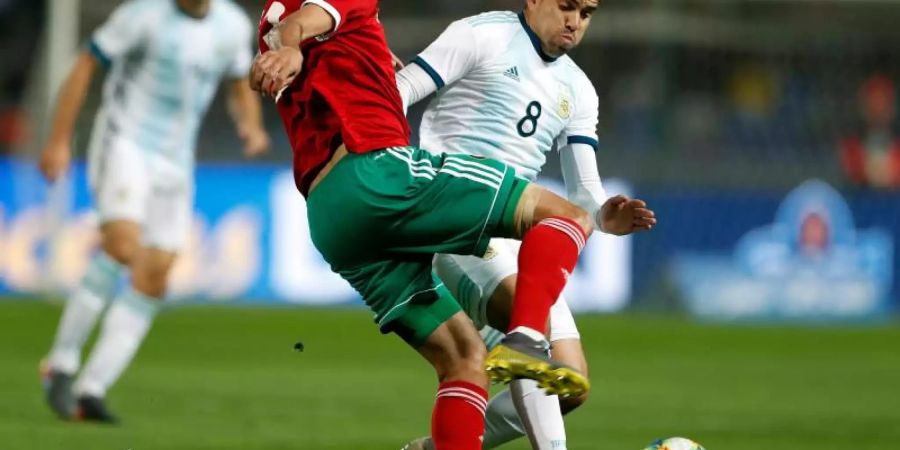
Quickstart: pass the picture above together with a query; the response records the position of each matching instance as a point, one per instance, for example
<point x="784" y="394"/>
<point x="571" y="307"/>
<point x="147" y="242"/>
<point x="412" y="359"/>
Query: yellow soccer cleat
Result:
<point x="519" y="356"/>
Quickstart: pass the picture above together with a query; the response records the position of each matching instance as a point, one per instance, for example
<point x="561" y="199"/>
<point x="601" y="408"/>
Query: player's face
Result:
<point x="560" y="24"/>
<point x="195" y="8"/>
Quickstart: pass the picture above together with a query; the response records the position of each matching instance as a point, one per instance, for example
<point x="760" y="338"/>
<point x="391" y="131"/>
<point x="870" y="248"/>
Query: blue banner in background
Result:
<point x="724" y="253"/>
<point x="810" y="263"/>
<point x="733" y="254"/>
<point x="249" y="242"/>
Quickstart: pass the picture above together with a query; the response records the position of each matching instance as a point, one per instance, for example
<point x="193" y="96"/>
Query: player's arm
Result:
<point x="120" y="33"/>
<point x="243" y="104"/>
<point x="275" y="69"/>
<point x="578" y="145"/>
<point x="57" y="153"/>
<point x="617" y="215"/>
<point x="246" y="112"/>
<point x="414" y="84"/>
<point x="455" y="53"/>
<point x="578" y="163"/>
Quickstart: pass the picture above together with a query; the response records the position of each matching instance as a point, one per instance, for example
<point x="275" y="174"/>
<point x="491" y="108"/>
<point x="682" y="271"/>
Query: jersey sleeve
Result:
<point x="243" y="57"/>
<point x="582" y="129"/>
<point x="414" y="84"/>
<point x="452" y="55"/>
<point x="345" y="12"/>
<point x="121" y="32"/>
<point x="583" y="186"/>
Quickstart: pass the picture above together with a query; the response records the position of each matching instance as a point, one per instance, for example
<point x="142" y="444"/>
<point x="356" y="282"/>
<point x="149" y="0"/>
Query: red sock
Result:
<point x="548" y="255"/>
<point x="457" y="422"/>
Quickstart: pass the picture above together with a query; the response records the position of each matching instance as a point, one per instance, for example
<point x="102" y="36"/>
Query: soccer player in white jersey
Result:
<point x="506" y="90"/>
<point x="164" y="61"/>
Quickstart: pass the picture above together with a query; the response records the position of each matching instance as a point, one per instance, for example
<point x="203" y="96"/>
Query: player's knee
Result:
<point x="576" y="214"/>
<point x="584" y="220"/>
<point x="569" y="404"/>
<point x="120" y="239"/>
<point x="121" y="250"/>
<point x="473" y="359"/>
<point x="157" y="271"/>
<point x="148" y="282"/>
<point x="468" y="364"/>
<point x="150" y="272"/>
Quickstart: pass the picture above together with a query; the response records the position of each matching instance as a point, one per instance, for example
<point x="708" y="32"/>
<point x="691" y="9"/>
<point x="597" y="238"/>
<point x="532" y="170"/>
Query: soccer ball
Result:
<point x="675" y="443"/>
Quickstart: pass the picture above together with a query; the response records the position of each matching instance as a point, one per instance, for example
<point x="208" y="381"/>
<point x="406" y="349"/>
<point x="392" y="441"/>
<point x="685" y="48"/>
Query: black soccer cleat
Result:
<point x="519" y="356"/>
<point x="58" y="391"/>
<point x="93" y="409"/>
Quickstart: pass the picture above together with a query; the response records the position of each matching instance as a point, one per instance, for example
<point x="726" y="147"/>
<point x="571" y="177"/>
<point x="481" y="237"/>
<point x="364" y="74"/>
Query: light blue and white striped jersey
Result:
<point x="500" y="96"/>
<point x="164" y="68"/>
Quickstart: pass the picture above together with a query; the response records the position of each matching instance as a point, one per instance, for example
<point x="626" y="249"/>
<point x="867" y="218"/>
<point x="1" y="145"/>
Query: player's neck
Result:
<point x="194" y="12"/>
<point x="536" y="41"/>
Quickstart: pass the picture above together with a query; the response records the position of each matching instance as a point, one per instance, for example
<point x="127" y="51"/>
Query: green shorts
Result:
<point x="378" y="219"/>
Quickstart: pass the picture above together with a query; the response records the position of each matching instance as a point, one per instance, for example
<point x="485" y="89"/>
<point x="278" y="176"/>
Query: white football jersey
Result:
<point x="164" y="68"/>
<point x="500" y="96"/>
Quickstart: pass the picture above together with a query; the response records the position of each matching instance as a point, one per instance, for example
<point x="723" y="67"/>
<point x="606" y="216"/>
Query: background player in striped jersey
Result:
<point x="507" y="90"/>
<point x="164" y="62"/>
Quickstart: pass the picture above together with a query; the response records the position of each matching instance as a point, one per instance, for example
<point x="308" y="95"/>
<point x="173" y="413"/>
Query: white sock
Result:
<point x="81" y="312"/>
<point x="540" y="415"/>
<point x="124" y="327"/>
<point x="501" y="421"/>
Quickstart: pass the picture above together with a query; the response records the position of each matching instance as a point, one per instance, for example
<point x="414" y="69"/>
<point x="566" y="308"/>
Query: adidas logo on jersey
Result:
<point x="512" y="72"/>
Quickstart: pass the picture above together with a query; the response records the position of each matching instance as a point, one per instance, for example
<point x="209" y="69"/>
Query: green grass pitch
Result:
<point x="228" y="378"/>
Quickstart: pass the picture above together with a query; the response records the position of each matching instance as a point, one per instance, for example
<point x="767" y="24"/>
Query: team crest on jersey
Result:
<point x="565" y="108"/>
<point x="564" y="103"/>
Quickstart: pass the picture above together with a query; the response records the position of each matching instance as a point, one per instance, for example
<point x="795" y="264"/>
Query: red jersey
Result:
<point x="345" y="93"/>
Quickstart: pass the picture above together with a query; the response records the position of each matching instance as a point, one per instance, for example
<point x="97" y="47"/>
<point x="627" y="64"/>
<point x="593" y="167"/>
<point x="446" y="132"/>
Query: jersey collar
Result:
<point x="535" y="42"/>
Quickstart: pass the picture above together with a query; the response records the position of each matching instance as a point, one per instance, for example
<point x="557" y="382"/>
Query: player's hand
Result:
<point x="256" y="141"/>
<point x="621" y="215"/>
<point x="54" y="161"/>
<point x="275" y="70"/>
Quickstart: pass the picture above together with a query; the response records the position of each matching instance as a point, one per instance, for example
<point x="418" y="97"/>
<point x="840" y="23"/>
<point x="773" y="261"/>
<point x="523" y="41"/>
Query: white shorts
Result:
<point x="131" y="184"/>
<point x="472" y="280"/>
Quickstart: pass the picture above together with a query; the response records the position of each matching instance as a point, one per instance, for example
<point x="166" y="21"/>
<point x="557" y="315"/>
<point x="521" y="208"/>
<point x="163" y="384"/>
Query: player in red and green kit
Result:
<point x="379" y="209"/>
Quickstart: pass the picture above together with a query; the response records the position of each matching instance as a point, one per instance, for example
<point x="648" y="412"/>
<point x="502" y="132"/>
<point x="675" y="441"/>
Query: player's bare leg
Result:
<point x="457" y="353"/>
<point x="124" y="328"/>
<point x="570" y="352"/>
<point x="119" y="241"/>
<point x="553" y="233"/>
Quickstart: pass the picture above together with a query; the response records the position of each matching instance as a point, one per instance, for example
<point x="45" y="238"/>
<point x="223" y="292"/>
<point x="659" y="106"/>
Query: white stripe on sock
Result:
<point x="570" y="230"/>
<point x="482" y="408"/>
<point x="469" y="392"/>
<point x="576" y="230"/>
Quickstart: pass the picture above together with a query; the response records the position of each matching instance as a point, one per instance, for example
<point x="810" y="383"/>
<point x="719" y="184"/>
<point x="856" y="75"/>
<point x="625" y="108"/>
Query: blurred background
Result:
<point x="764" y="133"/>
<point x="713" y="111"/>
